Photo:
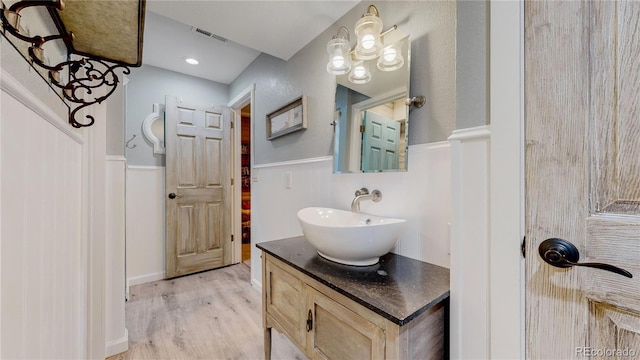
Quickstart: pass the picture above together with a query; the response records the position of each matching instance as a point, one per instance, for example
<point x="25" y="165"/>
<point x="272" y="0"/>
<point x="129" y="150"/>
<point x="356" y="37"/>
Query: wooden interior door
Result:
<point x="198" y="183"/>
<point x="380" y="142"/>
<point x="582" y="108"/>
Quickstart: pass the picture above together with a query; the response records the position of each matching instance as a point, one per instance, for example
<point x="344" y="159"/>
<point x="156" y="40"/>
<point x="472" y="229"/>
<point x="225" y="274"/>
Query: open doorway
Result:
<point x="242" y="163"/>
<point x="245" y="181"/>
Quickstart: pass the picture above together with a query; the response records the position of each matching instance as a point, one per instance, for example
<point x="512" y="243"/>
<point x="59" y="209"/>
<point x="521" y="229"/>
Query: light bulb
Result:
<point x="389" y="54"/>
<point x="368" y="41"/>
<point x="338" y="61"/>
<point x="359" y="71"/>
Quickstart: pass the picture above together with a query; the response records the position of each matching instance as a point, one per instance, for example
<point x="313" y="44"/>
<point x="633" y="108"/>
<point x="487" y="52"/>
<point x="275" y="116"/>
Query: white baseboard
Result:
<point x="143" y="279"/>
<point x="117" y="346"/>
<point x="256" y="285"/>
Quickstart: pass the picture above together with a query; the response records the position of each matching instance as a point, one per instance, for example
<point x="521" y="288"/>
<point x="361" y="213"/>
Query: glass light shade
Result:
<point x="391" y="59"/>
<point x="339" y="57"/>
<point x="368" y="30"/>
<point x="360" y="73"/>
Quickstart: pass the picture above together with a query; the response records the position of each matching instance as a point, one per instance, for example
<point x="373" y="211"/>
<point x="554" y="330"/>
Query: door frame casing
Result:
<point x="244" y="98"/>
<point x="506" y="100"/>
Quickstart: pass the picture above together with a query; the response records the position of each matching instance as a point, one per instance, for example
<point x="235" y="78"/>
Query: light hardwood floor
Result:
<point x="211" y="315"/>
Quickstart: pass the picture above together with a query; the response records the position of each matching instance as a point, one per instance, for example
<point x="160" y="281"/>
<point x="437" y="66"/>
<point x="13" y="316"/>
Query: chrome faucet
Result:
<point x="363" y="194"/>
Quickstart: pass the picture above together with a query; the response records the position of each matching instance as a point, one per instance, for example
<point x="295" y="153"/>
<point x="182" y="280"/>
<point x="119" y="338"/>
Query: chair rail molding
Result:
<point x="18" y="91"/>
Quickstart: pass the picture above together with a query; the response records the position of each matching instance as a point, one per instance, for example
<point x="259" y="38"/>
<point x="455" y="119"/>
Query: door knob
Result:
<point x="562" y="253"/>
<point x="173" y="196"/>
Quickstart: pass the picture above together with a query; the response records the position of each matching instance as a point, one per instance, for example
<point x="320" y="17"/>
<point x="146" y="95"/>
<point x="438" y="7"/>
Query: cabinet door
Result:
<point x="339" y="333"/>
<point x="286" y="303"/>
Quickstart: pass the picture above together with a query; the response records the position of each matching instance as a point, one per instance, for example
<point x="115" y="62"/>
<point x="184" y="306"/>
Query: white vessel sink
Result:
<point x="347" y="237"/>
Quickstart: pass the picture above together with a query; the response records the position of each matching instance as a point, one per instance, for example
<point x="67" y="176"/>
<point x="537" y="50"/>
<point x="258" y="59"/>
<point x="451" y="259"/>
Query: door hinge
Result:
<point x="523" y="247"/>
<point x="232" y="123"/>
<point x="362" y="129"/>
<point x="231" y="181"/>
<point x="231" y="238"/>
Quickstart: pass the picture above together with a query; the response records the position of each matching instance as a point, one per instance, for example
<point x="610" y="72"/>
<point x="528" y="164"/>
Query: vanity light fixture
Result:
<point x="369" y="46"/>
<point x="191" y="61"/>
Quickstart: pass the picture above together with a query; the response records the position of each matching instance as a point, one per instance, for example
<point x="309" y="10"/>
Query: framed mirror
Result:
<point x="371" y="119"/>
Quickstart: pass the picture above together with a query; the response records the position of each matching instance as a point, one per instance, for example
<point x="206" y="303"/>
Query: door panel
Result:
<point x="286" y="302"/>
<point x="213" y="161"/>
<point x="615" y="329"/>
<point x="186" y="224"/>
<point x="187" y="165"/>
<point x="582" y="76"/>
<point x="339" y="333"/>
<point x="214" y="226"/>
<point x="615" y="122"/>
<point x="198" y="230"/>
<point x="380" y="143"/>
<point x="213" y="120"/>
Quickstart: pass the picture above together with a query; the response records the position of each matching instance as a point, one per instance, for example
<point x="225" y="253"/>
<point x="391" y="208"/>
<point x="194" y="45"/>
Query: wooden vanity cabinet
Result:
<point x="325" y="324"/>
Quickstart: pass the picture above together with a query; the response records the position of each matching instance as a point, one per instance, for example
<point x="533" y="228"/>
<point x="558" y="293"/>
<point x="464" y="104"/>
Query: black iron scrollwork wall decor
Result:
<point x="90" y="81"/>
<point x="98" y="74"/>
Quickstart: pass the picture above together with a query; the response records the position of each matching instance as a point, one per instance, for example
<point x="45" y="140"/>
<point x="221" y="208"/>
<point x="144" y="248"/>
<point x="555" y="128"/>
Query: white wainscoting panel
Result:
<point x="421" y="195"/>
<point x="115" y="332"/>
<point x="145" y="224"/>
<point x="43" y="254"/>
<point x="274" y="206"/>
<point x="469" y="307"/>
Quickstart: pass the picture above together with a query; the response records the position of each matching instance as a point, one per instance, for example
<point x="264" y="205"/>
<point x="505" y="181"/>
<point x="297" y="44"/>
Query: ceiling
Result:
<point x="277" y="28"/>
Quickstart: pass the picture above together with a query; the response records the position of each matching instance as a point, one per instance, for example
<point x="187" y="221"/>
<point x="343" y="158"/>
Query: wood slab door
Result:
<point x="197" y="184"/>
<point x="582" y="114"/>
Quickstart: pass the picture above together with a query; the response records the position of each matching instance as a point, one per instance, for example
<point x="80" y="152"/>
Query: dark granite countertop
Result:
<point x="398" y="288"/>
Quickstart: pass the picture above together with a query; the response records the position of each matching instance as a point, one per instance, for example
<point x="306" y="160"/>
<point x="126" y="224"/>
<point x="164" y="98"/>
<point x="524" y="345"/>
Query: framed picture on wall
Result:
<point x="287" y="119"/>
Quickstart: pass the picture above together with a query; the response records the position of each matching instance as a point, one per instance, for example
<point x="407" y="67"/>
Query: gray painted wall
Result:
<point x="115" y="121"/>
<point x="472" y="91"/>
<point x="148" y="85"/>
<point x="432" y="25"/>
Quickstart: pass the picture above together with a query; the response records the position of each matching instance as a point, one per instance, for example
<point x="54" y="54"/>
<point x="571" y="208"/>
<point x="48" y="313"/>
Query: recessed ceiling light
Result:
<point x="191" y="61"/>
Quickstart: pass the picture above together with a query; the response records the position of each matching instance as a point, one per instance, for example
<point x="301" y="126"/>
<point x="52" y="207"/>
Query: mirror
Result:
<point x="371" y="120"/>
